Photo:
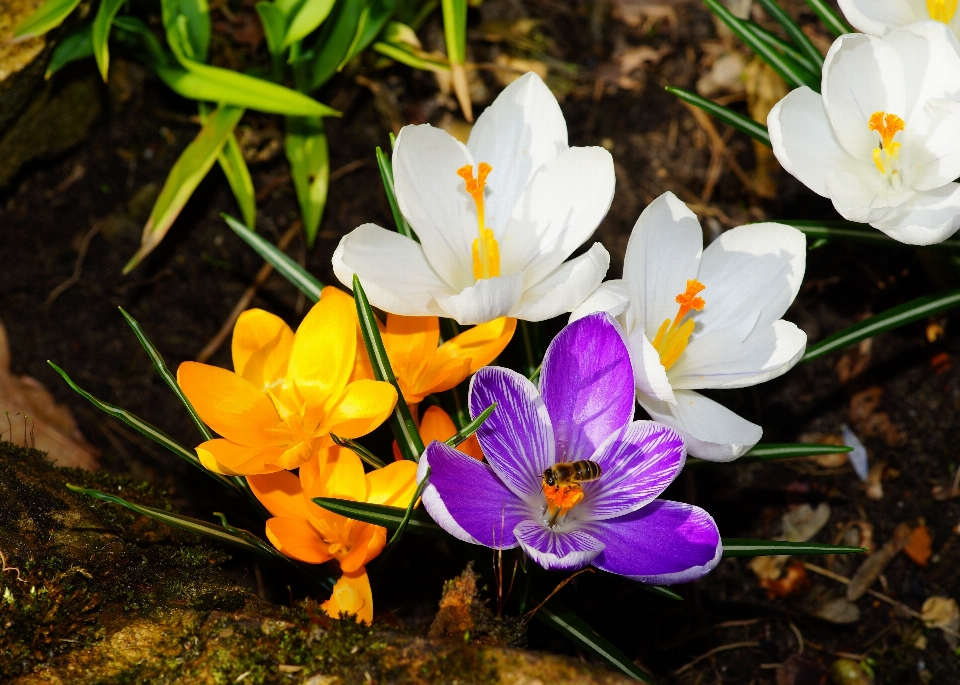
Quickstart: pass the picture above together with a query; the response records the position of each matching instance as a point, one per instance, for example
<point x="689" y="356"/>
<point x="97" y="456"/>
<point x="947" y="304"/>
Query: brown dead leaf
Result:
<point x="854" y="361"/>
<point x="645" y="14"/>
<point x="869" y="422"/>
<point x="942" y="612"/>
<point x="793" y="582"/>
<point x="827" y="461"/>
<point x="764" y="90"/>
<point x="941" y="363"/>
<point x="53" y="427"/>
<point x="799" y="525"/>
<point x="919" y="547"/>
<point x="838" y="610"/>
<point x="870" y="570"/>
<point x="725" y="76"/>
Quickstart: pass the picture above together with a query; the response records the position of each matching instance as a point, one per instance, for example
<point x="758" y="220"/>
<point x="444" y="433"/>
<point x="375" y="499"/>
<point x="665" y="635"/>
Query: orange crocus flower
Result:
<point x="302" y="530"/>
<point x="436" y="424"/>
<point x="288" y="392"/>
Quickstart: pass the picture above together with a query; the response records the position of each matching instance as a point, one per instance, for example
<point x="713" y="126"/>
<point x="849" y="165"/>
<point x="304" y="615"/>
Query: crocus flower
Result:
<point x="583" y="411"/>
<point x="436" y="424"/>
<point x="288" y="392"/>
<point x="698" y="318"/>
<point x="880" y="18"/>
<point x="883" y="141"/>
<point x="304" y="531"/>
<point x="496" y="218"/>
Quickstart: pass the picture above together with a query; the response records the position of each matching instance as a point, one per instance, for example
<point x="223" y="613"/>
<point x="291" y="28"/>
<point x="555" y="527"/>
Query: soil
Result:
<point x="183" y="292"/>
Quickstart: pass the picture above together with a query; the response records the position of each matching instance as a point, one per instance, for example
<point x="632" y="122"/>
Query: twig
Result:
<point x="715" y="650"/>
<point x="529" y="614"/>
<point x="718" y="146"/>
<point x="77" y="266"/>
<point x="796" y="632"/>
<point x="5" y="568"/>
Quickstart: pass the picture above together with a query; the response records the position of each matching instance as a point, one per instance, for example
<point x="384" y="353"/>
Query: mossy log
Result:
<point x="91" y="593"/>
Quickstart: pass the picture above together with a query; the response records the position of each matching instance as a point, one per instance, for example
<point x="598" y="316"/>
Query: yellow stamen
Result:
<point x="561" y="499"/>
<point x="486" y="252"/>
<point x="942" y="10"/>
<point x="672" y="338"/>
<point x="886" y="156"/>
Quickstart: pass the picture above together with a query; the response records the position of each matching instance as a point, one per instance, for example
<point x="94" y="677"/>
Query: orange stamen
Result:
<point x="887" y="125"/>
<point x="671" y="339"/>
<point x="486" y="252"/>
<point x="561" y="498"/>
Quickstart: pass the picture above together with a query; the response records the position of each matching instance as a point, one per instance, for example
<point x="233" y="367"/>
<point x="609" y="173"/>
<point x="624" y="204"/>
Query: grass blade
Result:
<point x="361" y="451"/>
<point x="662" y="591"/>
<point x="386" y="174"/>
<point x="471" y="427"/>
<point x="783" y="46"/>
<point x="455" y="35"/>
<point x="311" y="14"/>
<point x="48" y="16"/>
<point x="738" y="121"/>
<point x="306" y="148"/>
<point x="285" y="266"/>
<point x="418" y="522"/>
<point x="372" y="19"/>
<point x="901" y="315"/>
<point x="772" y="452"/>
<point x="796" y="34"/>
<point x="742" y="547"/>
<point x="238" y="176"/>
<point x="849" y="230"/>
<point x="335" y="40"/>
<point x="833" y="21"/>
<point x="413" y="502"/>
<point x="76" y="46"/>
<point x="404" y="428"/>
<point x="423" y="62"/>
<point x="101" y="33"/>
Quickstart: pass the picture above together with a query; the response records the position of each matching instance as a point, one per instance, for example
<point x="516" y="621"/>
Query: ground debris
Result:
<point x="871" y="569"/>
<point x="465" y="616"/>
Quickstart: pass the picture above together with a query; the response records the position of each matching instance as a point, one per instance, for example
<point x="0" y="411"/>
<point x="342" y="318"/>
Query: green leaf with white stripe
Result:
<point x="860" y="233"/>
<point x="830" y="18"/>
<point x="774" y="451"/>
<point x="743" y="124"/>
<point x="382" y="515"/>
<point x="471" y="428"/>
<point x="742" y="547"/>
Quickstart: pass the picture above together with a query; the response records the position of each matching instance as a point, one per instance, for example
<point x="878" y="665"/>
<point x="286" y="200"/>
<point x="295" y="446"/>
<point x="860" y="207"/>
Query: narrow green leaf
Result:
<point x="306" y="148"/>
<point x="142" y="427"/>
<point x="662" y="591"/>
<point x="274" y="26"/>
<point x="401" y="422"/>
<point x="186" y="174"/>
<point x="238" y="176"/>
<point x="901" y="315"/>
<point x="48" y="16"/>
<point x="372" y="19"/>
<point x="783" y="46"/>
<point x="361" y="451"/>
<point x="741" y="547"/>
<point x="398" y="533"/>
<point x="285" y="266"/>
<point x="381" y="515"/>
<point x="455" y="29"/>
<point x="471" y="427"/>
<point x="335" y="40"/>
<point x="386" y="175"/>
<point x="311" y="14"/>
<point x="861" y="233"/>
<point x="101" y="32"/>
<point x="568" y="624"/>
<point x="190" y="20"/>
<point x="772" y="452"/>
<point x="793" y="30"/>
<point x="833" y="21"/>
<point x="76" y="46"/>
<point x="138" y="36"/>
<point x="417" y="60"/>
<point x="738" y="121"/>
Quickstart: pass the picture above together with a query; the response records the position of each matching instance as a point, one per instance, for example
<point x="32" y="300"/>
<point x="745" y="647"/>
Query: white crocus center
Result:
<point x="486" y="252"/>
<point x="886" y="157"/>
<point x="672" y="338"/>
<point x="942" y="10"/>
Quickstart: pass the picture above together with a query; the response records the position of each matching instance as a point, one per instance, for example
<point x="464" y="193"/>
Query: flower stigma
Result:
<point x="486" y="252"/>
<point x="942" y="10"/>
<point x="671" y="339"/>
<point x="887" y="156"/>
<point x="561" y="498"/>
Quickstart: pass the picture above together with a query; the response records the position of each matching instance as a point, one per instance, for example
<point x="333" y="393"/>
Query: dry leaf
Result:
<point x="942" y="612"/>
<point x="725" y="76"/>
<point x="838" y="610"/>
<point x="793" y="582"/>
<point x="870" y="570"/>
<point x="827" y="461"/>
<point x="854" y="360"/>
<point x="875" y="480"/>
<point x="804" y="522"/>
<point x="872" y="423"/>
<point x="644" y="14"/>
<point x="764" y="90"/>
<point x="515" y="67"/>
<point x="919" y="546"/>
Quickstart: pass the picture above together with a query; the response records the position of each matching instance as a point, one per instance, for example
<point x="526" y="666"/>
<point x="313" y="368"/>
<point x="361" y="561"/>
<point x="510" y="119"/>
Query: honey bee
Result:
<point x="567" y="473"/>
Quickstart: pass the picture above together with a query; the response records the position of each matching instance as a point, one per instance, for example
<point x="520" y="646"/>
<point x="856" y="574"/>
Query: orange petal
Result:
<point x="481" y="344"/>
<point x="297" y="539"/>
<point x="302" y="452"/>
<point x="411" y="342"/>
<point x="365" y="541"/>
<point x="437" y="425"/>
<point x="362" y="407"/>
<point x="337" y="472"/>
<point x="230" y="459"/>
<point x="261" y="347"/>
<point x="442" y="375"/>
<point x="351" y="595"/>
<point x="394" y="484"/>
<point x="231" y="405"/>
<point x="280" y="493"/>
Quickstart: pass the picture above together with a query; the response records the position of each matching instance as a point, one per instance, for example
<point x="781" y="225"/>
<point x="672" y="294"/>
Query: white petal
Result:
<point x="861" y="75"/>
<point x="933" y="156"/>
<point x="931" y="64"/>
<point x="610" y="297"/>
<point x="803" y="139"/>
<point x="649" y="376"/>
<point x="933" y="217"/>
<point x="862" y="197"/>
<point x="521" y="130"/>
<point x="564" y="289"/>
<point x="435" y="201"/>
<point x="393" y="270"/>
<point x="663" y="252"/>
<point x="752" y="275"/>
<point x="720" y="360"/>
<point x="878" y="18"/>
<point x="709" y="430"/>
<point x="489" y="299"/>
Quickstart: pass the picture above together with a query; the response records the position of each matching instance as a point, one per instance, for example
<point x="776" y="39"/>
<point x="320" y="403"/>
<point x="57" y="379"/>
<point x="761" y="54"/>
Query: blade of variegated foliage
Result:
<point x="142" y="427"/>
<point x="404" y="56"/>
<point x="285" y="266"/>
<point x="793" y="30"/>
<point x="568" y="624"/>
<point x="190" y="19"/>
<point x="185" y="176"/>
<point x="831" y="19"/>
<point x="48" y="16"/>
<point x="372" y="19"/>
<point x="772" y="452"/>
<point x="381" y="515"/>
<point x="235" y="537"/>
<point x="306" y="148"/>
<point x="398" y="533"/>
<point x="404" y="428"/>
<point x="309" y="16"/>
<point x="455" y="34"/>
<point x="861" y="233"/>
<point x="238" y="176"/>
<point x="662" y="591"/>
<point x="742" y="547"/>
<point x="740" y="122"/>
<point x="361" y="451"/>
<point x="471" y="427"/>
<point x="335" y="40"/>
<point x="908" y="312"/>
<point x="76" y="46"/>
<point x="101" y="34"/>
<point x="386" y="175"/>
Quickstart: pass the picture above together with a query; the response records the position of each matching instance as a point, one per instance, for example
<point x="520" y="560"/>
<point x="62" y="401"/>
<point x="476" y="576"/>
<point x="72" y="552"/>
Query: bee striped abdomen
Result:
<point x="586" y="470"/>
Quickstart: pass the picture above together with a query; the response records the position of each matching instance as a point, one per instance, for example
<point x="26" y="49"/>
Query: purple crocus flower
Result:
<point x="582" y="411"/>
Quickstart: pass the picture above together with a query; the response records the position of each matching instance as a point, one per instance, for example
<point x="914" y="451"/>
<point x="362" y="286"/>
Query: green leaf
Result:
<point x="738" y="121"/>
<point x="783" y="46"/>
<point x="142" y="427"/>
<point x="140" y="38"/>
<point x="794" y="31"/>
<point x="831" y="19"/>
<point x="908" y="312"/>
<point x="238" y="176"/>
<point x="306" y="148"/>
<point x="861" y="233"/>
<point x="381" y="515"/>
<point x="335" y="40"/>
<point x="274" y="26"/>
<point x="48" y="16"/>
<point x="416" y="59"/>
<point x="236" y="537"/>
<point x="361" y="451"/>
<point x="741" y="547"/>
<point x="662" y="591"/>
<point x="386" y="175"/>
<point x="311" y="14"/>
<point x="568" y="624"/>
<point x="190" y="21"/>
<point x="398" y="533"/>
<point x="455" y="29"/>
<point x="375" y="14"/>
<point x="404" y="428"/>
<point x="285" y="266"/>
<point x="76" y="46"/>
<point x="772" y="452"/>
<point x="101" y="32"/>
<point x="185" y="176"/>
<point x="471" y="427"/>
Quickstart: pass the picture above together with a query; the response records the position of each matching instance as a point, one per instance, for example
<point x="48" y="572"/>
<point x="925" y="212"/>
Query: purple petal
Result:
<point x="517" y="438"/>
<point x="638" y="463"/>
<point x="663" y="543"/>
<point x="567" y="551"/>
<point x="467" y="500"/>
<point x="587" y="385"/>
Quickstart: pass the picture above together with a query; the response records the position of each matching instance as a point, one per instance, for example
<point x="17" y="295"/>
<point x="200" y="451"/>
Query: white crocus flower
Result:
<point x="496" y="218"/>
<point x="883" y="141"/>
<point x="704" y="319"/>
<point x="878" y="18"/>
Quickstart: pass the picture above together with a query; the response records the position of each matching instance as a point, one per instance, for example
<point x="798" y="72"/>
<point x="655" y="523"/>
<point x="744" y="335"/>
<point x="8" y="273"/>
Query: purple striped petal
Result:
<point x="638" y="462"/>
<point x="467" y="500"/>
<point x="663" y="543"/>
<point x="517" y="438"/>
<point x="568" y="551"/>
<point x="587" y="385"/>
